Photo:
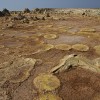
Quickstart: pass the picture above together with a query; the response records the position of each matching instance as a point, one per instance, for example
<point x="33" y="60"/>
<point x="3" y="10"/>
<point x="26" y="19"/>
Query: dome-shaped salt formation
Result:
<point x="46" y="82"/>
<point x="87" y="30"/>
<point x="45" y="47"/>
<point x="50" y="36"/>
<point x="63" y="47"/>
<point x="97" y="49"/>
<point x="80" y="47"/>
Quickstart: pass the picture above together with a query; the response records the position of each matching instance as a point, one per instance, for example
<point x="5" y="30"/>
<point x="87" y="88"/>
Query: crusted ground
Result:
<point x="30" y="47"/>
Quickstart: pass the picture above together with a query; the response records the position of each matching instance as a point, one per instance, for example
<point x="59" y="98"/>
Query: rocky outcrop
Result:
<point x="1" y="14"/>
<point x="6" y="12"/>
<point x="70" y="61"/>
<point x="42" y="10"/>
<point x="26" y="10"/>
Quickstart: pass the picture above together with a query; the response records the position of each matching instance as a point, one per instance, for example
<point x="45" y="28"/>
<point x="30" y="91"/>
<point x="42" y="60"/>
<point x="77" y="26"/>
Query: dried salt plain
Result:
<point x="55" y="58"/>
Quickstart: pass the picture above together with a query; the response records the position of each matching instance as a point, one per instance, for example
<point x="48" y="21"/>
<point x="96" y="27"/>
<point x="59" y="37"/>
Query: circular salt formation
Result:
<point x="63" y="30"/>
<point x="63" y="47"/>
<point x="49" y="96"/>
<point x="80" y="47"/>
<point x="19" y="69"/>
<point x="97" y="49"/>
<point x="46" y="47"/>
<point x="50" y="36"/>
<point x="43" y="48"/>
<point x="38" y="34"/>
<point x="49" y="26"/>
<point x="87" y="30"/>
<point x="47" y="82"/>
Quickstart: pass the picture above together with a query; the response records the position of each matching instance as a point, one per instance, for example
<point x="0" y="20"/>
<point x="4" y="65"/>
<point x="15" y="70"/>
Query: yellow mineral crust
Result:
<point x="80" y="47"/>
<point x="46" y="82"/>
<point x="63" y="47"/>
<point x="49" y="96"/>
<point x="45" y="47"/>
<point x="50" y="36"/>
<point x="19" y="70"/>
<point x="97" y="49"/>
<point x="88" y="30"/>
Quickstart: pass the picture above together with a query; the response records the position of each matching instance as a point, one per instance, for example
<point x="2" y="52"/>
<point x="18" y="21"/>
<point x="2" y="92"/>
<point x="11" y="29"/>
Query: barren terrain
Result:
<point x="53" y="56"/>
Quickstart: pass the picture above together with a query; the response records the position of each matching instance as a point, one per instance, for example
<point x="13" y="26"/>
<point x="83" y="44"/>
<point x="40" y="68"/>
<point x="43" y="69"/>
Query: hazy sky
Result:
<point x="21" y="4"/>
